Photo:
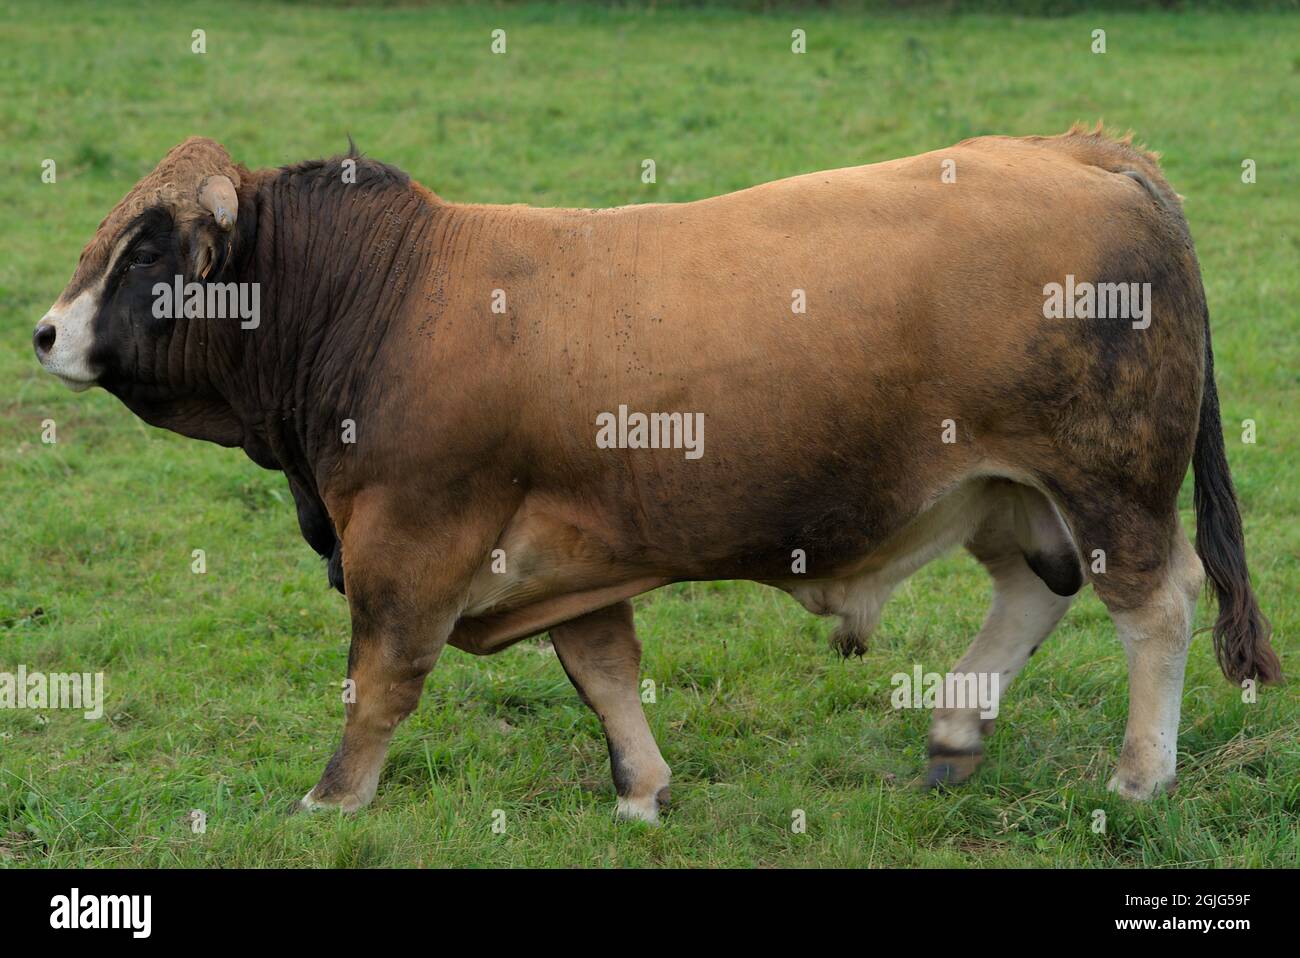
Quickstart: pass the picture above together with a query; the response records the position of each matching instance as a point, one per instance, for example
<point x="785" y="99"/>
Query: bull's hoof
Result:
<point x="645" y="809"/>
<point x="308" y="803"/>
<point x="951" y="768"/>
<point x="940" y="774"/>
<point x="1137" y="789"/>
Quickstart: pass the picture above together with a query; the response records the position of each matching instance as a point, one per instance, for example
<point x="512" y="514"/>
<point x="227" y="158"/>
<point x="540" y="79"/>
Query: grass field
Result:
<point x="222" y="689"/>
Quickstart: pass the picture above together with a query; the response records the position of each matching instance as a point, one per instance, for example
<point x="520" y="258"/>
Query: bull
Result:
<point x="873" y="362"/>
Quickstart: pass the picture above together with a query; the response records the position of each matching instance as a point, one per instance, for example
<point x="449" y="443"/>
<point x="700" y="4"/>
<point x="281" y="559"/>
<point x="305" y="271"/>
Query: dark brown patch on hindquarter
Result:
<point x="1119" y="407"/>
<point x="1098" y="379"/>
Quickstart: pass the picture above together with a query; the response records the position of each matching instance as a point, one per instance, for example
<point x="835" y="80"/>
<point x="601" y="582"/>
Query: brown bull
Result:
<point x="499" y="420"/>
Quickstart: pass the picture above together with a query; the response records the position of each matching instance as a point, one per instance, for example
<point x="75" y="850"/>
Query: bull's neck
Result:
<point x="335" y="261"/>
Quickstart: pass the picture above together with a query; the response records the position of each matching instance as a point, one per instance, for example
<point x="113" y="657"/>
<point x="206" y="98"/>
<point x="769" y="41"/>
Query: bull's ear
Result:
<point x="213" y="231"/>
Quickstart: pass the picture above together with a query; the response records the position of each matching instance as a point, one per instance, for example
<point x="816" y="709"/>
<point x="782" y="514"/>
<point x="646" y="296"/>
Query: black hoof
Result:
<point x="939" y="775"/>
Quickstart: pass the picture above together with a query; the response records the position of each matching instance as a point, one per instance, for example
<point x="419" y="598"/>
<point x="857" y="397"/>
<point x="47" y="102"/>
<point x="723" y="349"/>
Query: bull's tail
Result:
<point x="1241" y="632"/>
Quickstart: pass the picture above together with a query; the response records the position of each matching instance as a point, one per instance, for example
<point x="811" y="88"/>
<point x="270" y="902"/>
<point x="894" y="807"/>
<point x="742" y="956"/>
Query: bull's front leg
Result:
<point x="405" y="587"/>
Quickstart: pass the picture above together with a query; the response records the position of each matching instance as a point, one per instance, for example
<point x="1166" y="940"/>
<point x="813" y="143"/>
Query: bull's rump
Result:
<point x="825" y="429"/>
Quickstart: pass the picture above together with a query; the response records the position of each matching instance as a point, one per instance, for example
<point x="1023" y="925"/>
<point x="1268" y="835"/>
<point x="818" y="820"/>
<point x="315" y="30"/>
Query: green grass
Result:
<point x="223" y="688"/>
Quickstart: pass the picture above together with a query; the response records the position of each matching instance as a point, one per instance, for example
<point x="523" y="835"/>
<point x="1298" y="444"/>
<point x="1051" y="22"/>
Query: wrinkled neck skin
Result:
<point x="332" y="264"/>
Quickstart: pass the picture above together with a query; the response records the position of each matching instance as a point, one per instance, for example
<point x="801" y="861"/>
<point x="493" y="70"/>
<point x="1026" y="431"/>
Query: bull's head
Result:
<point x="177" y="221"/>
<point x="173" y="369"/>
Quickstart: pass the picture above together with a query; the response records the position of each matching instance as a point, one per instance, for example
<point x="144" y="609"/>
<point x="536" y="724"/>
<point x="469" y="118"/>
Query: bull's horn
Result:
<point x="217" y="196"/>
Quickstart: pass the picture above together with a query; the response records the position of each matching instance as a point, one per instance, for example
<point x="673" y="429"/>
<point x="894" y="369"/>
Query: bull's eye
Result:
<point x="142" y="259"/>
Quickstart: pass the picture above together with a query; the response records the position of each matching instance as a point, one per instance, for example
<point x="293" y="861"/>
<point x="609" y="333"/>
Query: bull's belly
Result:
<point x="546" y="570"/>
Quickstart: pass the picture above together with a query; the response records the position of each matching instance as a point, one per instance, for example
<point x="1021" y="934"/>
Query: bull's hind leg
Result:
<point x="1155" y="626"/>
<point x="1023" y="544"/>
<point x="1148" y="576"/>
<point x="602" y="657"/>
